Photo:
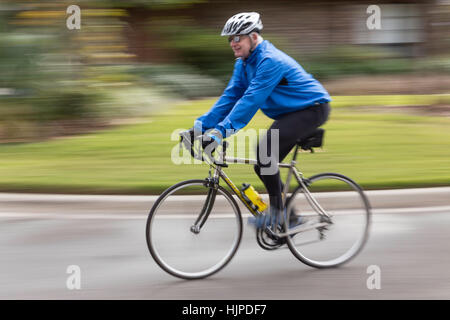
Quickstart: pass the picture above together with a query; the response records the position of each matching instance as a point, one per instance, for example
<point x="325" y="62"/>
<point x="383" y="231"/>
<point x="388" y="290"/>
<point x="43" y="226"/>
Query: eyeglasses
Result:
<point x="236" y="38"/>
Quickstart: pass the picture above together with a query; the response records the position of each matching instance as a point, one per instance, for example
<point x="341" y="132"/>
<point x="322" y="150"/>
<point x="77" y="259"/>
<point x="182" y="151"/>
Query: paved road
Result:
<point x="41" y="235"/>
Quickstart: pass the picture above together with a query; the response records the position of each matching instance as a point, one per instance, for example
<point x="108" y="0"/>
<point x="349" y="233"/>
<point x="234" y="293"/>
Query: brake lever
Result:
<point x="190" y="146"/>
<point x="221" y="161"/>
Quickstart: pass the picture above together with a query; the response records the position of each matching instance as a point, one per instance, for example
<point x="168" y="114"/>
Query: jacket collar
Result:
<point x="252" y="57"/>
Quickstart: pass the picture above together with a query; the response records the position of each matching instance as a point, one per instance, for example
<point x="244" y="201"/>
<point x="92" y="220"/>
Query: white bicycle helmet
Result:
<point x="242" y="23"/>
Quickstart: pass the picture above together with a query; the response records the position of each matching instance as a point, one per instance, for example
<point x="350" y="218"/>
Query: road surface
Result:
<point x="41" y="236"/>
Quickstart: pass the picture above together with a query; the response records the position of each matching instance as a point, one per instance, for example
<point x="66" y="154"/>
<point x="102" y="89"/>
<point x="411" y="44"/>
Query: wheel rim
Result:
<point x="351" y="220"/>
<point x="183" y="253"/>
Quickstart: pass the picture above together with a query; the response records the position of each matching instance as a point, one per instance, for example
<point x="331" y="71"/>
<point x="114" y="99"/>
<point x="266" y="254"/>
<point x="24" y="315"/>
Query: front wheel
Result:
<point x="184" y="245"/>
<point x="338" y="237"/>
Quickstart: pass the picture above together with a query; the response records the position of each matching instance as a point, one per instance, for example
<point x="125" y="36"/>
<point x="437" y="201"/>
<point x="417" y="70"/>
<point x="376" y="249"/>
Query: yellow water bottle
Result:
<point x="253" y="198"/>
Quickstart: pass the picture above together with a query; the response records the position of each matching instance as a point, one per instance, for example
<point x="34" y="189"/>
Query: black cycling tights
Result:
<point x="291" y="127"/>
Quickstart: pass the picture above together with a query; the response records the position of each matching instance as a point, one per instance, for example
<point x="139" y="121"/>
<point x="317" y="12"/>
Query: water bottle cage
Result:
<point x="250" y="203"/>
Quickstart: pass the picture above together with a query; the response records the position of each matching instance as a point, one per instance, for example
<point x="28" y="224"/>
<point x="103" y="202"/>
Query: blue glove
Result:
<point x="198" y="126"/>
<point x="211" y="140"/>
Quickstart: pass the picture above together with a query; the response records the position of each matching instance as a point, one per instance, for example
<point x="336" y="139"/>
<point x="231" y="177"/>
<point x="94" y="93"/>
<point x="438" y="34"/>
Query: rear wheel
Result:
<point x="338" y="242"/>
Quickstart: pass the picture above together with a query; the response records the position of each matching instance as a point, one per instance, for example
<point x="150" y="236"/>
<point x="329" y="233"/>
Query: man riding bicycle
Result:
<point x="268" y="79"/>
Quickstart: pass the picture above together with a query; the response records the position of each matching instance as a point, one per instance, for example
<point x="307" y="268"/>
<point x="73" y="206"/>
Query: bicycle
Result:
<point x="214" y="224"/>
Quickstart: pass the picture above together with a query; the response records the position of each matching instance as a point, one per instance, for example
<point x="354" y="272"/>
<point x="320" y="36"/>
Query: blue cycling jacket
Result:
<point x="268" y="79"/>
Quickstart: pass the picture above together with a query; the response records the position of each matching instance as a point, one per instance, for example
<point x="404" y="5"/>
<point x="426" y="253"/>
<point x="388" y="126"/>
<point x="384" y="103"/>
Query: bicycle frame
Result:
<point x="213" y="182"/>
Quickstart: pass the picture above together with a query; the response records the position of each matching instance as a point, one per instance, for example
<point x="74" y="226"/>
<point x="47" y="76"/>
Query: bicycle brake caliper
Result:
<point x="212" y="183"/>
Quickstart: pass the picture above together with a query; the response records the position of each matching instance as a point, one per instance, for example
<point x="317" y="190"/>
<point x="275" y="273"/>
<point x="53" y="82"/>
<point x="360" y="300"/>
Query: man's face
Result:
<point x="242" y="47"/>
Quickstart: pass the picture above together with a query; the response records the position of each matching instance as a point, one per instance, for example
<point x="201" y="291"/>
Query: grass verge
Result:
<point x="378" y="150"/>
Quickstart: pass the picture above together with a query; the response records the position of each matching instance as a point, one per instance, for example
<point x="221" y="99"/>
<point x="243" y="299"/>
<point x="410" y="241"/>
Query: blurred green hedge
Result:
<point x="65" y="104"/>
<point x="47" y="113"/>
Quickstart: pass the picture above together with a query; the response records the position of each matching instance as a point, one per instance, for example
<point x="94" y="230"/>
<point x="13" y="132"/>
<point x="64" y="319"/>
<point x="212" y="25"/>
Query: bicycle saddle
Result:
<point x="314" y="140"/>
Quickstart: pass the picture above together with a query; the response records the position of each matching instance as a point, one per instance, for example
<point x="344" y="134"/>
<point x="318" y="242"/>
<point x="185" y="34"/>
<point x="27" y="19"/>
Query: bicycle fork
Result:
<point x="213" y="184"/>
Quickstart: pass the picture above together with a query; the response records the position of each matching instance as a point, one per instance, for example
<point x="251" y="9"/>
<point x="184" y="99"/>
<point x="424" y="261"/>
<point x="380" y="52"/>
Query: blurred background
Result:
<point x="93" y="110"/>
<point x="96" y="110"/>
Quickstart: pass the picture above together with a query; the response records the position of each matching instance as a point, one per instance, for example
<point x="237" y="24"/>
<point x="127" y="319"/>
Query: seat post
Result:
<point x="289" y="175"/>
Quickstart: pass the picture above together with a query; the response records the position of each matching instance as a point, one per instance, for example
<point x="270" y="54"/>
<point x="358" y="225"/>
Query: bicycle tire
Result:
<point x="153" y="247"/>
<point x="345" y="213"/>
